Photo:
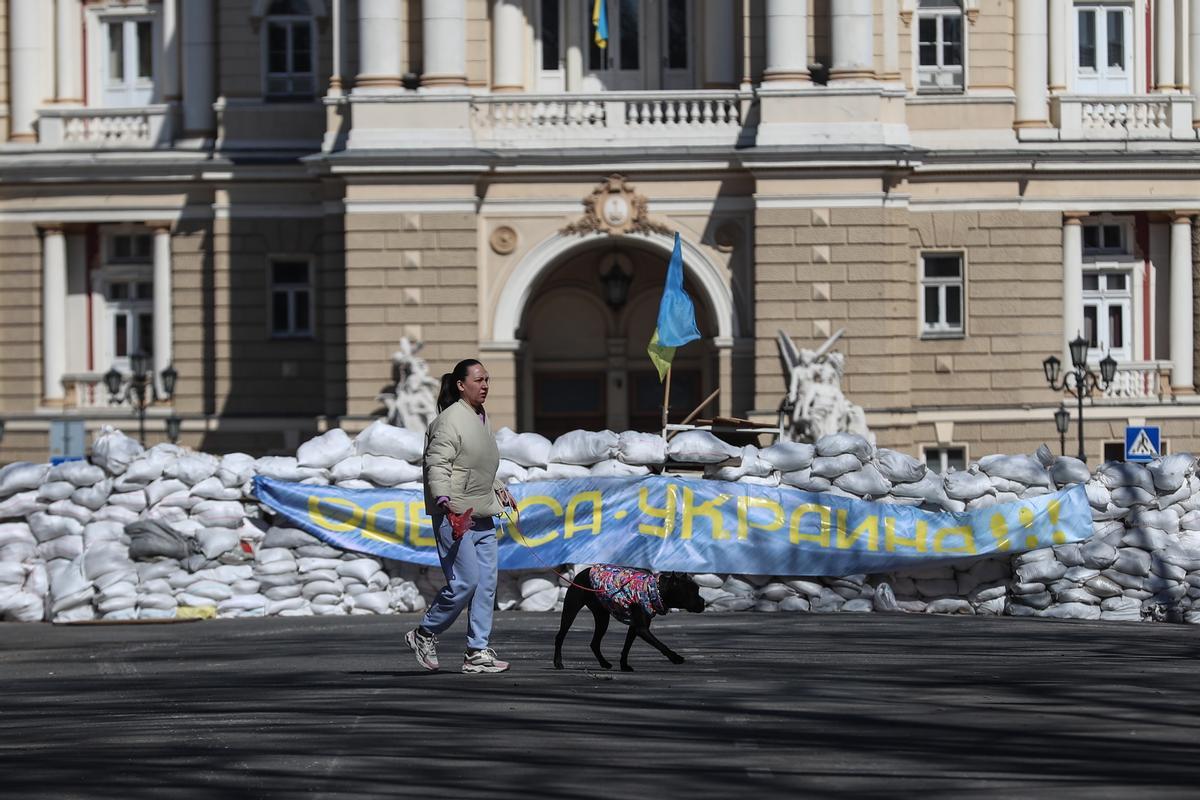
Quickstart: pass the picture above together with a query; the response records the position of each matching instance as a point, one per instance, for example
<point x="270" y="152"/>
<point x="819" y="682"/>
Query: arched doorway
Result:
<point x="583" y="361"/>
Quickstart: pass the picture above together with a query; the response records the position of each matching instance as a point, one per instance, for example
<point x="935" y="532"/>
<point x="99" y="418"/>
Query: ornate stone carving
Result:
<point x="413" y="403"/>
<point x="815" y="405"/>
<point x="614" y="207"/>
<point x="503" y="240"/>
<point x="727" y="236"/>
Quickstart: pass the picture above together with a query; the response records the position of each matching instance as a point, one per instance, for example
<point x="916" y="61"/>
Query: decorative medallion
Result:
<point x="614" y="207"/>
<point x="503" y="240"/>
<point x="727" y="236"/>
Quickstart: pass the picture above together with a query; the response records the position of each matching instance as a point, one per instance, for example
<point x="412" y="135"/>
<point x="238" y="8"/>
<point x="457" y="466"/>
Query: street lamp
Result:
<point x="135" y="392"/>
<point x="173" y="425"/>
<point x="1062" y="419"/>
<point x="1080" y="381"/>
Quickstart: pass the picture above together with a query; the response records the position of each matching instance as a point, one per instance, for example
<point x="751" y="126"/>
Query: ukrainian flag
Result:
<point x="600" y="22"/>
<point x="676" y="317"/>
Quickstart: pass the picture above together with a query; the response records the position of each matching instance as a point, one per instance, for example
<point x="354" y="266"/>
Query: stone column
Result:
<point x="573" y="34"/>
<point x="891" y="42"/>
<point x="852" y="28"/>
<point x="1031" y="64"/>
<point x="68" y="73"/>
<point x="1072" y="259"/>
<point x="163" y="339"/>
<point x="1060" y="12"/>
<point x="444" y="34"/>
<point x="337" y="73"/>
<point x="1182" y="325"/>
<point x="170" y="50"/>
<point x="787" y="41"/>
<point x="720" y="40"/>
<point x="24" y="65"/>
<point x="199" y="67"/>
<point x="1164" y="46"/>
<point x="54" y="312"/>
<point x="1194" y="57"/>
<point x="508" y="46"/>
<point x="379" y="43"/>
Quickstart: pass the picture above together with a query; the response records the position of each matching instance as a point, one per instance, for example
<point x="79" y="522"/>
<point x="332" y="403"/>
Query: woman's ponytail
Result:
<point x="448" y="394"/>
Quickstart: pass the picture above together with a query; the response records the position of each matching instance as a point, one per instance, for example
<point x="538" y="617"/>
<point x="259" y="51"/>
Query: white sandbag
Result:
<point x="215" y="541"/>
<point x="113" y="451"/>
<point x="79" y="473"/>
<point x="1166" y="521"/>
<point x="21" y="504"/>
<point x="1067" y="470"/>
<point x="313" y="564"/>
<point x="329" y="591"/>
<point x="1071" y="610"/>
<point x="526" y="449"/>
<point x="967" y="486"/>
<point x="235" y="469"/>
<point x="356" y="484"/>
<point x="776" y="591"/>
<point x="1022" y="469"/>
<point x="113" y="513"/>
<point x="360" y="569"/>
<point x="139" y="474"/>
<point x="65" y="508"/>
<point x="511" y="472"/>
<point x="866" y="482"/>
<point x="211" y="488"/>
<point x="584" y="448"/>
<point x="558" y="472"/>
<point x="270" y="555"/>
<point x="899" y="467"/>
<point x="93" y="497"/>
<point x="61" y="547"/>
<point x="191" y="468"/>
<point x="288" y="538"/>
<point x="12" y="532"/>
<point x="388" y="471"/>
<point x="788" y="456"/>
<point x="210" y="590"/>
<point x="164" y="487"/>
<point x="1041" y="571"/>
<point x="48" y="526"/>
<point x="275" y="568"/>
<point x="1115" y="474"/>
<point x="134" y="500"/>
<point x="1132" y="496"/>
<point x="21" y="476"/>
<point x="1171" y="472"/>
<point x="805" y="480"/>
<point x="374" y="602"/>
<point x="836" y="444"/>
<point x="284" y="468"/>
<point x="381" y="439"/>
<point x="700" y="447"/>
<point x="348" y="469"/>
<point x="219" y="513"/>
<point x="834" y="466"/>
<point x="325" y="450"/>
<point x="1132" y="561"/>
<point x="794" y="603"/>
<point x="644" y="449"/>
<point x="55" y="490"/>
<point x="750" y="466"/>
<point x="617" y="469"/>
<point x="24" y="607"/>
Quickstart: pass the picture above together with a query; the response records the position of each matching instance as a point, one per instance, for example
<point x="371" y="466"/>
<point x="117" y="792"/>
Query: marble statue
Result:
<point x="815" y="405"/>
<point x="413" y="403"/>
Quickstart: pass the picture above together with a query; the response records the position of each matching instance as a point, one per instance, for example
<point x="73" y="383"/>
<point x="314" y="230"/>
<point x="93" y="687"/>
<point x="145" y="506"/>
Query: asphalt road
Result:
<point x="767" y="705"/>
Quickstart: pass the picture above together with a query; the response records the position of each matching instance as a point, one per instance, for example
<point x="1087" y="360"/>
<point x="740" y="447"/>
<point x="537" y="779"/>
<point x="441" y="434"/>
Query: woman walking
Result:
<point x="462" y="496"/>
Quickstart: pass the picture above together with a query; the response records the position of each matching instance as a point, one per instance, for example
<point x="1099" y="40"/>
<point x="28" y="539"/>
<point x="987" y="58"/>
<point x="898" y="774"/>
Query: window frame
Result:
<point x="132" y="270"/>
<point x="292" y="333"/>
<point x="1104" y="261"/>
<point x="291" y="21"/>
<point x="550" y="80"/>
<point x="943" y="451"/>
<point x="97" y="54"/>
<point x="1131" y="44"/>
<point x="942" y="330"/>
<point x="919" y="69"/>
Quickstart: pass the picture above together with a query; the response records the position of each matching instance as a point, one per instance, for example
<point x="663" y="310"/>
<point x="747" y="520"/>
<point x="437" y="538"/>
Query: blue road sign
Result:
<point x="1142" y="443"/>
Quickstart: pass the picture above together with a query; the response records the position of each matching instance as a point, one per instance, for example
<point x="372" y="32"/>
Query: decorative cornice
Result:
<point x="614" y="207"/>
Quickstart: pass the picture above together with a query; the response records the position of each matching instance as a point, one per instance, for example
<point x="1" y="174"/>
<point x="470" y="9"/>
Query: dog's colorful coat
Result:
<point x="620" y="589"/>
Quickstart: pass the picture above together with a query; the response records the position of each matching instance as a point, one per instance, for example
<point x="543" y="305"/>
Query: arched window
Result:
<point x="289" y="51"/>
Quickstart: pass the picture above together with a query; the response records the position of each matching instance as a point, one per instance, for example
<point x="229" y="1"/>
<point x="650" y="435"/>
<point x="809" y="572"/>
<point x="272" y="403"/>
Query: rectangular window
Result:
<point x="126" y="57"/>
<point x="291" y="299"/>
<point x="550" y="35"/>
<point x="677" y="34"/>
<point x="1103" y="48"/>
<point x="130" y="309"/>
<point x="1107" y="313"/>
<point x="630" y="34"/>
<point x="942" y="294"/>
<point x="939" y="46"/>
<point x="1107" y="238"/>
<point x="290" y="71"/>
<point x="944" y="459"/>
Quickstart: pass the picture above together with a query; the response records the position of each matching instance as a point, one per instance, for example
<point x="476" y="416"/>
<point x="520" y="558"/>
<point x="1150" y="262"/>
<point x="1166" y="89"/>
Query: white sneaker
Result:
<point x="483" y="661"/>
<point x="424" y="647"/>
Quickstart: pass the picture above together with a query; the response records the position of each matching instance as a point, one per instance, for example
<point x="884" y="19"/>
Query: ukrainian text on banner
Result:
<point x="689" y="524"/>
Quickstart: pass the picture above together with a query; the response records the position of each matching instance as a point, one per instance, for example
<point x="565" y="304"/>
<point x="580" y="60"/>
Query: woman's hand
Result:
<point x="506" y="498"/>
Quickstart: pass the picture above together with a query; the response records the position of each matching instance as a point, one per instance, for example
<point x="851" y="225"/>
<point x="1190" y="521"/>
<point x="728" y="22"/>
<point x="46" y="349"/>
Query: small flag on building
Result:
<point x="676" y="317"/>
<point x="600" y="22"/>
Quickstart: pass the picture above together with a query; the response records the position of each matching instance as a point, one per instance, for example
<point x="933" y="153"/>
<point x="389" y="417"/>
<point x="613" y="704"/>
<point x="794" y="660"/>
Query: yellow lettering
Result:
<point x="891" y="540"/>
<point x="961" y="531"/>
<point x="667" y="515"/>
<point x="371" y="528"/>
<point x="1025" y="515"/>
<point x="419" y="521"/>
<point x="708" y="510"/>
<point x="537" y="500"/>
<point x="999" y="527"/>
<point x="822" y="536"/>
<point x="318" y="516"/>
<point x="593" y="524"/>
<point x="745" y="503"/>
<point x="868" y="529"/>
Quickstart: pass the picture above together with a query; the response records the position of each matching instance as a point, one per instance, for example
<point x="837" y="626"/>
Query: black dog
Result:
<point x="623" y="593"/>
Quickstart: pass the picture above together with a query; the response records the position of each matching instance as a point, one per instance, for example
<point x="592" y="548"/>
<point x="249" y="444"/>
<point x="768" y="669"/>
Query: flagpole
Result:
<point x="666" y="399"/>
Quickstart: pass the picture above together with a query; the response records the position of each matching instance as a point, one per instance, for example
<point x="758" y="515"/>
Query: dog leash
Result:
<point x="512" y="517"/>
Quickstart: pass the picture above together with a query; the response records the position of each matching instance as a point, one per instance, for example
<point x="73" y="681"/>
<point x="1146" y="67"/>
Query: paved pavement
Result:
<point x="767" y="705"/>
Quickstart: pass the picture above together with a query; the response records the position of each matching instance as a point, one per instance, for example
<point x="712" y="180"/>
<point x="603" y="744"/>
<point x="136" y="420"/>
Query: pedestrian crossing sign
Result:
<point x="1142" y="443"/>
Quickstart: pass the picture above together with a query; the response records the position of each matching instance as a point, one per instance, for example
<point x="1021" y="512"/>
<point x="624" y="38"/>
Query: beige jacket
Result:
<point x="461" y="459"/>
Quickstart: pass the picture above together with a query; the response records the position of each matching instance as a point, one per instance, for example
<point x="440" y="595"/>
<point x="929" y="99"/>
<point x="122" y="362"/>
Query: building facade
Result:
<point x="268" y="194"/>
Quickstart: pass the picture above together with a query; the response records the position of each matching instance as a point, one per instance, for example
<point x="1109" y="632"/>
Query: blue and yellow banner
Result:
<point x="689" y="524"/>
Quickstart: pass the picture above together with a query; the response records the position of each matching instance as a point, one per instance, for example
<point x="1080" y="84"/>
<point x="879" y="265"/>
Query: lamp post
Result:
<point x="1080" y="381"/>
<point x="1062" y="419"/>
<point x="135" y="390"/>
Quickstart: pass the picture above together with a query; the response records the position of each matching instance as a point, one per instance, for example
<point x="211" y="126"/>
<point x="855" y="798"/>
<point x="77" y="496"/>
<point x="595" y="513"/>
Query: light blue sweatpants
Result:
<point x="470" y="568"/>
